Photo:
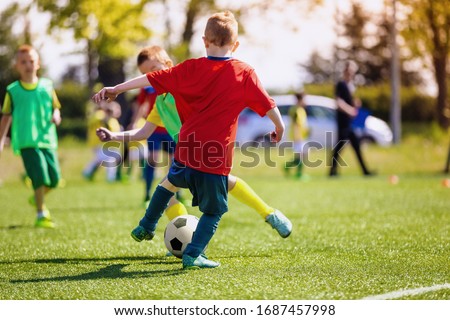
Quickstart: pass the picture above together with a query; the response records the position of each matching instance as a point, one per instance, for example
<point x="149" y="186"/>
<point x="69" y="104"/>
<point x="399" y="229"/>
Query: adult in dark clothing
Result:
<point x="347" y="109"/>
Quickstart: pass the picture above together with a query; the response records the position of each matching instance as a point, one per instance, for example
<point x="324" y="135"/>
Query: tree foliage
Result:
<point x="427" y="32"/>
<point x="113" y="27"/>
<point x="9" y="43"/>
<point x="110" y="28"/>
<point x="364" y="38"/>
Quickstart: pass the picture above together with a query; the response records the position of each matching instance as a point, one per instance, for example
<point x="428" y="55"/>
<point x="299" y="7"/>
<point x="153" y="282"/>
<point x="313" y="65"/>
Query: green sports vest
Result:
<point x="32" y="111"/>
<point x="165" y="104"/>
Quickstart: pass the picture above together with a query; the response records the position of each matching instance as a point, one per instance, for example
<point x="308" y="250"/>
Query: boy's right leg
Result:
<point x="239" y="189"/>
<point x="158" y="203"/>
<point x="43" y="218"/>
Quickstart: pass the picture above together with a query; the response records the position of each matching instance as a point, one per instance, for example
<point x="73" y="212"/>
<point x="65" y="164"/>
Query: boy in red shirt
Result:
<point x="210" y="93"/>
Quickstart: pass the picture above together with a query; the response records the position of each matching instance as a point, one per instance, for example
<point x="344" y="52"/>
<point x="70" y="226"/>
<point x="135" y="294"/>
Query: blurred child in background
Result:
<point x="31" y="105"/>
<point x="106" y="114"/>
<point x="299" y="133"/>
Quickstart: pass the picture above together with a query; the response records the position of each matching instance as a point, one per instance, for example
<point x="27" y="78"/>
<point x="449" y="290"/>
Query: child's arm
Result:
<point x="56" y="116"/>
<point x="344" y="106"/>
<point x="275" y="116"/>
<point x="4" y="126"/>
<point x="130" y="135"/>
<point x="111" y="93"/>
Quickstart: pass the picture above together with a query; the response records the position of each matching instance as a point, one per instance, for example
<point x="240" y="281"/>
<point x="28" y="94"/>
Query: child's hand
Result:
<point x="56" y="117"/>
<point x="104" y="134"/>
<point x="108" y="93"/>
<point x="357" y="102"/>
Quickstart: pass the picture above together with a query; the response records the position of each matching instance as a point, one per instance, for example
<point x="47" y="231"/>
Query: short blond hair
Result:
<point x="26" y="48"/>
<point x="154" y="52"/>
<point x="221" y="29"/>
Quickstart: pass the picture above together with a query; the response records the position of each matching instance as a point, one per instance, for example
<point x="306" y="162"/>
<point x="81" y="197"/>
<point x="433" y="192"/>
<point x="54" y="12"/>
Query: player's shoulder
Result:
<point x="239" y="64"/>
<point x="46" y="82"/>
<point x="13" y="85"/>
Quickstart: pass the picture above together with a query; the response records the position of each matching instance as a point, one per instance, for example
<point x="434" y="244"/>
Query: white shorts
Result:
<point x="300" y="147"/>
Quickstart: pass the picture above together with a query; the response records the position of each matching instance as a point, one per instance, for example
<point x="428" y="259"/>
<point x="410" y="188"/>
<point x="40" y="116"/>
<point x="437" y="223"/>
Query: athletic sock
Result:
<point x="155" y="209"/>
<point x="207" y="226"/>
<point x="245" y="194"/>
<point x="42" y="214"/>
<point x="176" y="210"/>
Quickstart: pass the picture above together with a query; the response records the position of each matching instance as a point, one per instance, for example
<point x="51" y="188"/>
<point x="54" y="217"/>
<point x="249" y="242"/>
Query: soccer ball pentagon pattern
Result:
<point x="179" y="232"/>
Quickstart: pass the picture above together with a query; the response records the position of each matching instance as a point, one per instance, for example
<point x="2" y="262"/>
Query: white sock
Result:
<point x="41" y="214"/>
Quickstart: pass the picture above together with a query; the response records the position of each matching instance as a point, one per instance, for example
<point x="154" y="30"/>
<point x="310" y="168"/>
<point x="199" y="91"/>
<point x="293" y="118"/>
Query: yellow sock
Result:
<point x="245" y="194"/>
<point x="176" y="210"/>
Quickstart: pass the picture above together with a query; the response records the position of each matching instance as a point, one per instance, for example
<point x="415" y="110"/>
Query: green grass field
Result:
<point x="353" y="237"/>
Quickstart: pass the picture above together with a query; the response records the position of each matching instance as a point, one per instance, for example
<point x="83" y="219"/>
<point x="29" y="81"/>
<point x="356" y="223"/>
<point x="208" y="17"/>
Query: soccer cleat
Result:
<point x="280" y="222"/>
<point x="139" y="234"/>
<point x="44" y="222"/>
<point x="87" y="176"/>
<point x="201" y="262"/>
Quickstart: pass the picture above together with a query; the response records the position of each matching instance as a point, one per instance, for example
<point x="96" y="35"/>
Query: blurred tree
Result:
<point x="426" y="28"/>
<point x="9" y="43"/>
<point x="320" y="70"/>
<point x="111" y="30"/>
<point x="365" y="38"/>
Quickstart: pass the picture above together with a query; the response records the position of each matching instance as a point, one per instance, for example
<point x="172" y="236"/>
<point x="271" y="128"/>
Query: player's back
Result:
<point x="210" y="93"/>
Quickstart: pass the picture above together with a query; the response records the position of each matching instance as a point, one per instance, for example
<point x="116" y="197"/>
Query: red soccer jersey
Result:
<point x="210" y="94"/>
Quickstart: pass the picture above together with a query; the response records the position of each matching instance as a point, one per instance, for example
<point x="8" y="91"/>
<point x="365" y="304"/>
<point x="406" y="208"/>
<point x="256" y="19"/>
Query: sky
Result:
<point x="273" y="49"/>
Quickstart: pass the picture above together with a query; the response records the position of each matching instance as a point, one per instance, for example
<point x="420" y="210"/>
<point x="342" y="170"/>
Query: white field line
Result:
<point x="409" y="292"/>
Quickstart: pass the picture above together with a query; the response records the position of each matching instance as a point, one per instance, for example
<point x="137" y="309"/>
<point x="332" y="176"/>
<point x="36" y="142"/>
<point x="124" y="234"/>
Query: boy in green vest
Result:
<point x="31" y="105"/>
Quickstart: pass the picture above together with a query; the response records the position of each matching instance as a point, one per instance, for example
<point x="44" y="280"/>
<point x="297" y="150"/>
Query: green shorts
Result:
<point x="42" y="166"/>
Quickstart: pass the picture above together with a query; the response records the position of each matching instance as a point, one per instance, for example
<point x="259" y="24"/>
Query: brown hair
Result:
<point x="154" y="52"/>
<point x="299" y="95"/>
<point x="221" y="29"/>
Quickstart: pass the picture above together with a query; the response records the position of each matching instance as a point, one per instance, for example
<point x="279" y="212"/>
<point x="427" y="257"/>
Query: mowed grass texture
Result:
<point x="353" y="237"/>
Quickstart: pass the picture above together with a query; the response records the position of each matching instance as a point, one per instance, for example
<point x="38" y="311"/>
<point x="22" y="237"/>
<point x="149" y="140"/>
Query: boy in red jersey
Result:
<point x="210" y="93"/>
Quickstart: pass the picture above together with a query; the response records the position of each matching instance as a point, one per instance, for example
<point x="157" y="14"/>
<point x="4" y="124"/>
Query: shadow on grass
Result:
<point x="13" y="227"/>
<point x="114" y="271"/>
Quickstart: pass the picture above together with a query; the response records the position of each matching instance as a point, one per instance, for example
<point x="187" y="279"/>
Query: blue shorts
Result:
<point x="161" y="141"/>
<point x="209" y="191"/>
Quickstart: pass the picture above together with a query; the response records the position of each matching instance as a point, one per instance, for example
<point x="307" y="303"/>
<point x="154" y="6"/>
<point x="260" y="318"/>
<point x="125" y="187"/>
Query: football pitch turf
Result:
<point x="353" y="237"/>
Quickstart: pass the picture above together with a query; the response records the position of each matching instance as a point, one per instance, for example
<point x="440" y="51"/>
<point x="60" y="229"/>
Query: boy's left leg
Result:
<point x="239" y="189"/>
<point x="158" y="203"/>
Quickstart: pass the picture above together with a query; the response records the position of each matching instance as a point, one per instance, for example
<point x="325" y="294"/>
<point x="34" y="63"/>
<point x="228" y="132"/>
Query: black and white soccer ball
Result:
<point x="179" y="232"/>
